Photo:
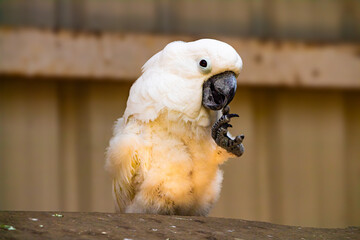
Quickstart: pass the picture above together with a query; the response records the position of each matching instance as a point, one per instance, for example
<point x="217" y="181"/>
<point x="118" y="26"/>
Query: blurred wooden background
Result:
<point x="297" y="19"/>
<point x="302" y="125"/>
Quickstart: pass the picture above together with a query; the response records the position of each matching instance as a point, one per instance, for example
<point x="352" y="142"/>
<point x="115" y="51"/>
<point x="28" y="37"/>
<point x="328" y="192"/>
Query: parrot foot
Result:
<point x="219" y="133"/>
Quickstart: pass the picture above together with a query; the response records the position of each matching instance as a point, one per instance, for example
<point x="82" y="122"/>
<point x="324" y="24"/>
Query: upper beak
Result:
<point x="219" y="90"/>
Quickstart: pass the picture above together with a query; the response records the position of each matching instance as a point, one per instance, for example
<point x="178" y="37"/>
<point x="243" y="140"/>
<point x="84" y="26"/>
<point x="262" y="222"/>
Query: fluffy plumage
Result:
<point x="162" y="157"/>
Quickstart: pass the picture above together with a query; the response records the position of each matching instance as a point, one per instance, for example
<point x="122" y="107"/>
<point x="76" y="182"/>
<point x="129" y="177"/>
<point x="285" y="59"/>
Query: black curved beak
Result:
<point x="219" y="90"/>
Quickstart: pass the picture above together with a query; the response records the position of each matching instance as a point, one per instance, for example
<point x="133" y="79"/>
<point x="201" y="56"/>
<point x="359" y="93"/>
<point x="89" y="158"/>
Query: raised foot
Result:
<point x="219" y="133"/>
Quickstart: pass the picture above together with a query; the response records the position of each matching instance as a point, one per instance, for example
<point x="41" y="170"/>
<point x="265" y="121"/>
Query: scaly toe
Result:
<point x="231" y="115"/>
<point x="226" y="110"/>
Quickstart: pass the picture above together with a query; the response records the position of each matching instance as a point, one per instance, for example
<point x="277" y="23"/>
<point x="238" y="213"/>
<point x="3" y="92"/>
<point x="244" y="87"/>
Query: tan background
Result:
<point x="301" y="164"/>
<point x="302" y="160"/>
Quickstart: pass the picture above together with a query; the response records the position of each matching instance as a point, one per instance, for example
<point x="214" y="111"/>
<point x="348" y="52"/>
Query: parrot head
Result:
<point x="186" y="77"/>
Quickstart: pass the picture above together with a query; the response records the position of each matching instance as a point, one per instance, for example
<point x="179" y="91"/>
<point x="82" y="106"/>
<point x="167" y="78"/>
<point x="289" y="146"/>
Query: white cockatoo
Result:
<point x="165" y="154"/>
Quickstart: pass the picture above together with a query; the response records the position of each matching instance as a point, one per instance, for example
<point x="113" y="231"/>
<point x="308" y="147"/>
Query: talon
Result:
<point x="231" y="115"/>
<point x="219" y="133"/>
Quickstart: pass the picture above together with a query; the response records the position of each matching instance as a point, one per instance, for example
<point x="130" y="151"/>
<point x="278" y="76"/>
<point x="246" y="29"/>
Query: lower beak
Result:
<point x="219" y="90"/>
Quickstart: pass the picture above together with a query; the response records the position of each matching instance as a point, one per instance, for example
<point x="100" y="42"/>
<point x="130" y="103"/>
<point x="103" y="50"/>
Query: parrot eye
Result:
<point x="204" y="65"/>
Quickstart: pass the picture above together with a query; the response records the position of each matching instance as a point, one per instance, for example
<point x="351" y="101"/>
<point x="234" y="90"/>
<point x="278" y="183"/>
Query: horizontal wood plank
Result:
<point x="114" y="56"/>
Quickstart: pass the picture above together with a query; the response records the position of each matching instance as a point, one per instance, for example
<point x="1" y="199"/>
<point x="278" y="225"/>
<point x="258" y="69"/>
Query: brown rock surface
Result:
<point x="58" y="225"/>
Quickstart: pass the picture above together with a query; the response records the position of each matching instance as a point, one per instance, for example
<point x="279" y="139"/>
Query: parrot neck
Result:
<point x="179" y="125"/>
<point x="201" y="119"/>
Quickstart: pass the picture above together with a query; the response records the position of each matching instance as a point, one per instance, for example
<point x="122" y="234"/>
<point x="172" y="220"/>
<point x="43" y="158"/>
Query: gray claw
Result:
<point x="219" y="134"/>
<point x="232" y="115"/>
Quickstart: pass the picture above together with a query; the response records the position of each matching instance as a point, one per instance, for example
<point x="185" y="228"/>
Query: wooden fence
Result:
<point x="295" y="19"/>
<point x="301" y="165"/>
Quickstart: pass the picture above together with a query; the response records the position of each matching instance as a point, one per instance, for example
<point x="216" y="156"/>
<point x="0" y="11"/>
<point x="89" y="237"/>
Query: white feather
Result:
<point x="162" y="157"/>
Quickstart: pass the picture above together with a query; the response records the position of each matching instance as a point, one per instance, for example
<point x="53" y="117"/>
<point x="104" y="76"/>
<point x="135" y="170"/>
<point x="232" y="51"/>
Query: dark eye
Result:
<point x="203" y="63"/>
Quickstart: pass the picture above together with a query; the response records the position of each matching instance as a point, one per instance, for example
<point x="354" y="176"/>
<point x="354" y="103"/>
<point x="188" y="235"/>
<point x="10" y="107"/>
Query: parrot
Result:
<point x="166" y="149"/>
